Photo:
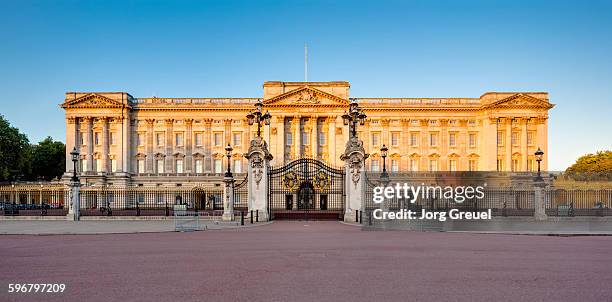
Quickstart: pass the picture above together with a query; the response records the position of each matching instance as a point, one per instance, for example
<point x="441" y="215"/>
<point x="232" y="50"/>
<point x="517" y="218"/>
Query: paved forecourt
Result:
<point x="308" y="261"/>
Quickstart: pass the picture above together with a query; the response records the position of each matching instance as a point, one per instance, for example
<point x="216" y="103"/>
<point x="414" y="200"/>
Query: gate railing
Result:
<point x="32" y="200"/>
<point x="241" y="195"/>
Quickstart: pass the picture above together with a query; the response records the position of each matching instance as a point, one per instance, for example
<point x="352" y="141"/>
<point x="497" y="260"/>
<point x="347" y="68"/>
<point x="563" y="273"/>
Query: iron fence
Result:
<point x="241" y="195"/>
<point x="33" y="200"/>
<point x="578" y="202"/>
<point x="141" y="201"/>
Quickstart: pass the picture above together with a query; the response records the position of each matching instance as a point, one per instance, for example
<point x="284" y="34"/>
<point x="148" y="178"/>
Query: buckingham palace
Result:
<point x="130" y="140"/>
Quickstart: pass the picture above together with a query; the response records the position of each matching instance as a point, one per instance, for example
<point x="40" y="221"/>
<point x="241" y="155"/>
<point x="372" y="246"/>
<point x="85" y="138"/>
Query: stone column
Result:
<point x="259" y="165"/>
<point x="150" y="160"/>
<point x="404" y="145"/>
<point x="189" y="145"/>
<point x="314" y="137"/>
<point x="331" y="140"/>
<point x="74" y="189"/>
<point x="207" y="145"/>
<point x="524" y="147"/>
<point x="297" y="136"/>
<point x="105" y="145"/>
<point x="542" y="140"/>
<point x="119" y="137"/>
<point x="228" y="199"/>
<point x="443" y="146"/>
<point x="539" y="188"/>
<point x="126" y="143"/>
<point x="385" y="133"/>
<point x="280" y="140"/>
<point x="90" y="143"/>
<point x="72" y="140"/>
<point x="169" y="168"/>
<point x="508" y="145"/>
<point x="354" y="168"/>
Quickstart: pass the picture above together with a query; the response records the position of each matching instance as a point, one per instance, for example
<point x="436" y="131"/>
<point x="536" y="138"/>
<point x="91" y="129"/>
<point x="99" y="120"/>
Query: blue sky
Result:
<point x="384" y="48"/>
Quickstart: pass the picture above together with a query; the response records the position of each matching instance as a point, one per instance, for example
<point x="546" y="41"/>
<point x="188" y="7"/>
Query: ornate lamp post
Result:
<point x="75" y="157"/>
<point x="228" y="153"/>
<point x="538" y="154"/>
<point x="258" y="117"/>
<point x="384" y="176"/>
<point x="353" y="116"/>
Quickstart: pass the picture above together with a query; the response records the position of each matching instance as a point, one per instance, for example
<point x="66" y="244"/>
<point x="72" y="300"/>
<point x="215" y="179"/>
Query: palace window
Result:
<point x="83" y="139"/>
<point x="394" y="165"/>
<point x="198" y="139"/>
<point x="289" y="139"/>
<point x="83" y="165"/>
<point x="236" y="139"/>
<point x="198" y="166"/>
<point x="375" y="139"/>
<point x="530" y="165"/>
<point x="375" y="165"/>
<point x="160" y="165"/>
<point x="305" y="138"/>
<point x="113" y="138"/>
<point x="218" y="166"/>
<point x="472" y="139"/>
<point x="500" y="138"/>
<point x="414" y="139"/>
<point x="530" y="136"/>
<point x="141" y="166"/>
<point x="452" y="165"/>
<point x="433" y="165"/>
<point x="140" y="139"/>
<point x="97" y="138"/>
<point x="516" y="138"/>
<point x="395" y="138"/>
<point x="452" y="139"/>
<point x="515" y="165"/>
<point x="159" y="139"/>
<point x="218" y="138"/>
<point x="322" y="139"/>
<point x="179" y="166"/>
<point x="237" y="166"/>
<point x="113" y="163"/>
<point x="178" y="139"/>
<point x="414" y="165"/>
<point x="500" y="164"/>
<point x="433" y="139"/>
<point x="98" y="165"/>
<point x="472" y="165"/>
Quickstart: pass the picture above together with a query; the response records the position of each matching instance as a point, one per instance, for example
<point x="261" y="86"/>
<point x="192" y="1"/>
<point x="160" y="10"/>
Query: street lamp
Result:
<point x="538" y="154"/>
<point x="384" y="176"/>
<point x="258" y="117"/>
<point x="75" y="157"/>
<point x="228" y="153"/>
<point x="353" y="116"/>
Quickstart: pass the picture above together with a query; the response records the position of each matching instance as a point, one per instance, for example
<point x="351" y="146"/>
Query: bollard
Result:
<point x="361" y="217"/>
<point x="256" y="215"/>
<point x="241" y="217"/>
<point x="356" y="215"/>
<point x="137" y="208"/>
<point x="251" y="216"/>
<point x="167" y="209"/>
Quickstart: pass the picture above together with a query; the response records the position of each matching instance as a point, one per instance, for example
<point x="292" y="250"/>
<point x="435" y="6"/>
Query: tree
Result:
<point x="591" y="166"/>
<point x="14" y="152"/>
<point x="48" y="159"/>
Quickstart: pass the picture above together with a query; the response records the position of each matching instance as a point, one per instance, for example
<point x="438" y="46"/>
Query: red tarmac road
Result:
<point x="309" y="261"/>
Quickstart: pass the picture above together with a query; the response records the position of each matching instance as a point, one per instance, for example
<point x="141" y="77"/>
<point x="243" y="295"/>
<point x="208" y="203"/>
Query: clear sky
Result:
<point x="383" y="48"/>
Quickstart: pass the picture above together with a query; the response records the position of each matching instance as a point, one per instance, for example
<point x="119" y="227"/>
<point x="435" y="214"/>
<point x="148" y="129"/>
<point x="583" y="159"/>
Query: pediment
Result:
<point x="520" y="100"/>
<point x="92" y="100"/>
<point x="305" y="96"/>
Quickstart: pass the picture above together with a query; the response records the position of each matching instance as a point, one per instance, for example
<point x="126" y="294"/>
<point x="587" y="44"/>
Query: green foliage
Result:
<point x="14" y="152"/>
<point x="21" y="161"/>
<point x="48" y="159"/>
<point x="592" y="166"/>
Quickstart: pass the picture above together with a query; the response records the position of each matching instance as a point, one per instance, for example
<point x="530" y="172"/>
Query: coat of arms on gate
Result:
<point x="321" y="180"/>
<point x="290" y="181"/>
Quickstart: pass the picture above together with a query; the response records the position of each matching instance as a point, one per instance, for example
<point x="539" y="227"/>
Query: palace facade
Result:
<point x="128" y="140"/>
